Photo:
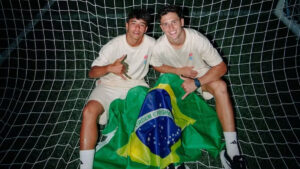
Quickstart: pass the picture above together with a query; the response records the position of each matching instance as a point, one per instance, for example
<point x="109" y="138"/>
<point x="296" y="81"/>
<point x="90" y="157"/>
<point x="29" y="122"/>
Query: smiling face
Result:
<point x="135" y="31"/>
<point x="171" y="24"/>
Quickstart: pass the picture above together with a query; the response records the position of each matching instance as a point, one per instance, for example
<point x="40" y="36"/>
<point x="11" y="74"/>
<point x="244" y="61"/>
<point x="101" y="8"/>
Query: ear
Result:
<point x="146" y="29"/>
<point x="161" y="28"/>
<point x="126" y="26"/>
<point x="182" y="22"/>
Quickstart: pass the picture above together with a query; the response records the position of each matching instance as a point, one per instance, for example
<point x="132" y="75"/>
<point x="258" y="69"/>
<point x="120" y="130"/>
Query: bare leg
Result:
<point x="89" y="130"/>
<point x="225" y="114"/>
<point x="223" y="104"/>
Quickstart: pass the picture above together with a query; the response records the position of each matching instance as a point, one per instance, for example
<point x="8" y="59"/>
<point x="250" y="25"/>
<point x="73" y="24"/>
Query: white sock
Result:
<point x="231" y="144"/>
<point x="86" y="159"/>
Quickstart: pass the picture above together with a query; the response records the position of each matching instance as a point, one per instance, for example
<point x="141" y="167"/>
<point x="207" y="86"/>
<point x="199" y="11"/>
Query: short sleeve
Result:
<point x="155" y="58"/>
<point x="209" y="54"/>
<point x="104" y="57"/>
<point x="100" y="60"/>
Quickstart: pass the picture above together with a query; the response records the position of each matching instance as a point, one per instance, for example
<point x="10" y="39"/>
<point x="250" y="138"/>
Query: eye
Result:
<point x="132" y="23"/>
<point x="143" y="25"/>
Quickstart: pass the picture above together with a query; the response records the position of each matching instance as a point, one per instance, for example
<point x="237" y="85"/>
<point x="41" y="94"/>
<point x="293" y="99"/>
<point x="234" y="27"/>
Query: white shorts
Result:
<point x="105" y="95"/>
<point x="205" y="95"/>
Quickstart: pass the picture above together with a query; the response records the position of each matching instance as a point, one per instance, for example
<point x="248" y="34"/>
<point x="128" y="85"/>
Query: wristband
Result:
<point x="197" y="82"/>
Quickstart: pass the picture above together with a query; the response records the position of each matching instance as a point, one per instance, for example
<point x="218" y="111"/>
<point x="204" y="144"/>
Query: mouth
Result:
<point x="173" y="33"/>
<point x="136" y="33"/>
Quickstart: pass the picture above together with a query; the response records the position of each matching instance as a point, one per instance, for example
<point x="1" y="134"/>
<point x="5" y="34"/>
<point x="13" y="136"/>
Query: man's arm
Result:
<point x="186" y="71"/>
<point x="117" y="68"/>
<point x="215" y="73"/>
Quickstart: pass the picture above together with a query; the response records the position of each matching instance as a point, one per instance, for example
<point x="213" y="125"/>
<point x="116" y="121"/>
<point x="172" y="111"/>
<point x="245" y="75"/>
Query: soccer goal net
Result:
<point x="46" y="51"/>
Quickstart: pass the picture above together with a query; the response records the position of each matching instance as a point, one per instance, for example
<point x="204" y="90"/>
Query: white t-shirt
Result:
<point x="196" y="51"/>
<point x="138" y="59"/>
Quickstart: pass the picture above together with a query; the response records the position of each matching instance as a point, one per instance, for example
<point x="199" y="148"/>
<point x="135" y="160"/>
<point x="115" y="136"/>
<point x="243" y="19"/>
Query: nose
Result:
<point x="137" y="27"/>
<point x="170" y="26"/>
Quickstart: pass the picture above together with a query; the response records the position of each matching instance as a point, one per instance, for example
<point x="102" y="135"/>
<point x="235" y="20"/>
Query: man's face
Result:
<point x="171" y="25"/>
<point x="136" y="28"/>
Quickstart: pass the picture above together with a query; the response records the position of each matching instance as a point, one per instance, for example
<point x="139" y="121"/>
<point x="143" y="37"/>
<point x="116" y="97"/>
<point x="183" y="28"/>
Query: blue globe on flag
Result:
<point x="155" y="126"/>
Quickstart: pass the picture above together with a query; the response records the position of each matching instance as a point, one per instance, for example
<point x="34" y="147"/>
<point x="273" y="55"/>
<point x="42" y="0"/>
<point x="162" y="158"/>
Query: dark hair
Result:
<point x="170" y="8"/>
<point x="139" y="14"/>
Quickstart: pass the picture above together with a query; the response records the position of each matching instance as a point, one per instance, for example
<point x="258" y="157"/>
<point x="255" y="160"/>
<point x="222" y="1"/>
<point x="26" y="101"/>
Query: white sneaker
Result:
<point x="182" y="166"/>
<point x="238" y="162"/>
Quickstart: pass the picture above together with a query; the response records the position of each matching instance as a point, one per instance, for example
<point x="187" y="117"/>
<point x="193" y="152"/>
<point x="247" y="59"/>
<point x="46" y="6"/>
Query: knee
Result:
<point x="86" y="112"/>
<point x="219" y="87"/>
<point x="92" y="110"/>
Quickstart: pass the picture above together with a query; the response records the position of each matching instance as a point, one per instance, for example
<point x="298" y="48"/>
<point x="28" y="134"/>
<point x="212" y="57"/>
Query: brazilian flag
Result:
<point x="153" y="128"/>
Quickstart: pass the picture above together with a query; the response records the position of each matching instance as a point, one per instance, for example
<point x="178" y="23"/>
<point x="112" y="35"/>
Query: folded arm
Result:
<point x="186" y="71"/>
<point x="215" y="73"/>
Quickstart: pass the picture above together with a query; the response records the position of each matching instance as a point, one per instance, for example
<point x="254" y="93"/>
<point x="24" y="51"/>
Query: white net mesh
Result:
<point x="47" y="47"/>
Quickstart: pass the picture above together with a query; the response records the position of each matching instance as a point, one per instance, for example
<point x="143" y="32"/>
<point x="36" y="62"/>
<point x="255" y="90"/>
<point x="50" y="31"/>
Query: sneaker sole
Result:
<point x="186" y="167"/>
<point x="224" y="161"/>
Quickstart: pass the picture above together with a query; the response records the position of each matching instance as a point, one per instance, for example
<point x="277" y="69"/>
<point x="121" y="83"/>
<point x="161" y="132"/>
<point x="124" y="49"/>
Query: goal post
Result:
<point x="288" y="11"/>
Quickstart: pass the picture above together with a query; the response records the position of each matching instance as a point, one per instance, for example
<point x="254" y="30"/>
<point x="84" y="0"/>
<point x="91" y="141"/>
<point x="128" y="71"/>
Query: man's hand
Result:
<point x="188" y="86"/>
<point x="126" y="67"/>
<point x="118" y="67"/>
<point x="187" y="71"/>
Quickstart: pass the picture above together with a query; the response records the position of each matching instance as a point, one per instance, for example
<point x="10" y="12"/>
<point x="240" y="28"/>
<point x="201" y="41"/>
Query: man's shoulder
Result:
<point x="111" y="44"/>
<point x="161" y="40"/>
<point x="115" y="41"/>
<point x="161" y="44"/>
<point x="193" y="32"/>
<point x="195" y="35"/>
<point x="118" y="38"/>
<point x="149" y="39"/>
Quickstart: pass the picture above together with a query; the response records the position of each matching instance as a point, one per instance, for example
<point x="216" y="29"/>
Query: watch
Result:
<point x="197" y="82"/>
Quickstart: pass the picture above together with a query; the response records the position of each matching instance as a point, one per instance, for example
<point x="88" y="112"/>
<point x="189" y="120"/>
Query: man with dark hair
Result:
<point x="140" y="14"/>
<point x="189" y="54"/>
<point x="121" y="65"/>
